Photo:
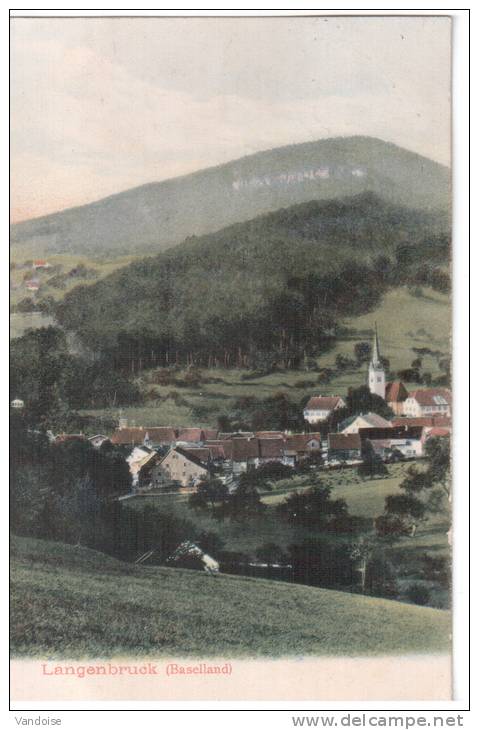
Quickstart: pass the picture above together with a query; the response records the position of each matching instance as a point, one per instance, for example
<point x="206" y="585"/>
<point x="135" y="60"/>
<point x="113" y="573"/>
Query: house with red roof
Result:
<point x="395" y="397"/>
<point x="196" y="435"/>
<point x="32" y="284"/>
<point x="319" y="407"/>
<point x="344" y="447"/>
<point x="436" y="432"/>
<point x="428" y="402"/>
<point x="303" y="444"/>
<point x="424" y="421"/>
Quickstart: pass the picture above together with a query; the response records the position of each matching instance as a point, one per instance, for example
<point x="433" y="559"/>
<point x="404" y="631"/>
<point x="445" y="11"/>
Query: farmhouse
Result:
<point x="396" y="395"/>
<point x="301" y="445"/>
<point x="344" y="447"/>
<point x="41" y="264"/>
<point x="435" y="432"/>
<point x="195" y="435"/>
<point x="368" y="420"/>
<point x="243" y="453"/>
<point x="319" y="407"/>
<point x="128" y="436"/>
<point x="408" y="440"/>
<point x="63" y="438"/>
<point x="424" y="421"/>
<point x="181" y="466"/>
<point x="428" y="402"/>
<point x="154" y="436"/>
<point x="32" y="285"/>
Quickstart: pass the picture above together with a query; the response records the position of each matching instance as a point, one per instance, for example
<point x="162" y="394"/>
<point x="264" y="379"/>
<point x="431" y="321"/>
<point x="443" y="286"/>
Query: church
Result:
<point x="394" y="393"/>
<point x="377" y="373"/>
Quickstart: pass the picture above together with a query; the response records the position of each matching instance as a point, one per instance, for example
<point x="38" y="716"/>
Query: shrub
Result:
<point x="418" y="593"/>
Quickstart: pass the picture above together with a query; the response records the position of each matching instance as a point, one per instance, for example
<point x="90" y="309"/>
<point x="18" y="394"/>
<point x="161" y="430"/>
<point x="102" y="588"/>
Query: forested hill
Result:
<point x="153" y="217"/>
<point x="276" y="286"/>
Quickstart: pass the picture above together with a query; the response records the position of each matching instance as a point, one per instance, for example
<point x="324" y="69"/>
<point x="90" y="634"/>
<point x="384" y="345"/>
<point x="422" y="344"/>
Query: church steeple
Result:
<point x="377" y="374"/>
<point x="376" y="358"/>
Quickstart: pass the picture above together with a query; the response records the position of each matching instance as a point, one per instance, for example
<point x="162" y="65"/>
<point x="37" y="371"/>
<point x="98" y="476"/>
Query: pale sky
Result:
<point x="100" y="105"/>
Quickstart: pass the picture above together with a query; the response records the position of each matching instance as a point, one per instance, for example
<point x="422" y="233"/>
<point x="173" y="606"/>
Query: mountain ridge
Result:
<point x="276" y="283"/>
<point x="154" y="216"/>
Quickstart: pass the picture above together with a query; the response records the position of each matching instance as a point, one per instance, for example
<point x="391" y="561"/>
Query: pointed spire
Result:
<point x="376" y="358"/>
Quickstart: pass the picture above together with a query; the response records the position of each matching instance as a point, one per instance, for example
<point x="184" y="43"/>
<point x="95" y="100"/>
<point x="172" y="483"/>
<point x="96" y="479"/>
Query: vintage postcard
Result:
<point x="230" y="396"/>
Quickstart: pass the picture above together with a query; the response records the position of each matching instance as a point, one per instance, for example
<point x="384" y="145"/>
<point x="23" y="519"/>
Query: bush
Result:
<point x="271" y="553"/>
<point x="419" y="594"/>
<point x="272" y="471"/>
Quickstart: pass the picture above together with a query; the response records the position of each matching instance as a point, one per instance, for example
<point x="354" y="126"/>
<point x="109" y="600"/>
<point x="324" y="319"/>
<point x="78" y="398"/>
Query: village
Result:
<point x="166" y="459"/>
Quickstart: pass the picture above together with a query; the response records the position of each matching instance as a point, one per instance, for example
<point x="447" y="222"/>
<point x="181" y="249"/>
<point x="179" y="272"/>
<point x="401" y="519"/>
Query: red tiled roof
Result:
<point x="190" y="434"/>
<point x="217" y="451"/>
<point x="426" y="396"/>
<point x="190" y="454"/>
<point x="209" y="433"/>
<point x="300" y="441"/>
<point x="201" y="454"/>
<point x="133" y="436"/>
<point x="235" y="435"/>
<point x="270" y="434"/>
<point x="396" y="392"/>
<point x="161" y="434"/>
<point x="437" y="433"/>
<point x="323" y="402"/>
<point x="63" y="437"/>
<point x="427" y="421"/>
<point x="344" y="441"/>
<point x="243" y="449"/>
<point x="271" y="448"/>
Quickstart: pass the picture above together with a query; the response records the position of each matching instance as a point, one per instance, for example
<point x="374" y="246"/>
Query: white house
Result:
<point x="368" y="420"/>
<point x="17" y="403"/>
<point x="428" y="402"/>
<point x="137" y="459"/>
<point x="319" y="407"/>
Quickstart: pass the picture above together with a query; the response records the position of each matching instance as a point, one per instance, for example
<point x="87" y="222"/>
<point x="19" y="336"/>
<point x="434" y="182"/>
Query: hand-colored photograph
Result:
<point x="230" y="350"/>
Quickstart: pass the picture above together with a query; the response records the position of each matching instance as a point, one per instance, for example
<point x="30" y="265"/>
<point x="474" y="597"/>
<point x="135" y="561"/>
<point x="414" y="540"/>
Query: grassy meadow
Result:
<point x="66" y="262"/>
<point x="73" y="602"/>
<point x="364" y="497"/>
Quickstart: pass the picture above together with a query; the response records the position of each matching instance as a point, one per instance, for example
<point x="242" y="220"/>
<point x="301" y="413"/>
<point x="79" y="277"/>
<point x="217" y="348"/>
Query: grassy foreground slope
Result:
<point x="74" y="602"/>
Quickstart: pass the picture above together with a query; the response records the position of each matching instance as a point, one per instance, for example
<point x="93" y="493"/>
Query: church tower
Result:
<point x="377" y="374"/>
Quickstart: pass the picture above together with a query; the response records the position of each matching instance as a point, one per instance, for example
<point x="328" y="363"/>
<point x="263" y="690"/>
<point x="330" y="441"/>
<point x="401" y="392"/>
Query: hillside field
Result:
<point x="404" y="321"/>
<point x="60" y="264"/>
<point x="72" y="602"/>
<point x="364" y="497"/>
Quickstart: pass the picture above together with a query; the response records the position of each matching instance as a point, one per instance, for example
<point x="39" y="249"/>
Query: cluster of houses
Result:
<point x="33" y="284"/>
<point x="192" y="453"/>
<point x="161" y="458"/>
